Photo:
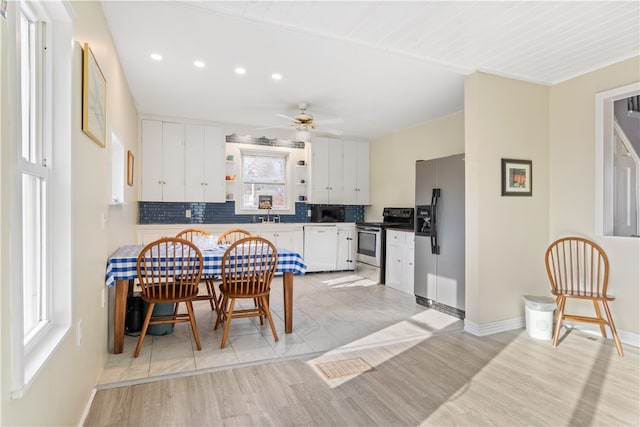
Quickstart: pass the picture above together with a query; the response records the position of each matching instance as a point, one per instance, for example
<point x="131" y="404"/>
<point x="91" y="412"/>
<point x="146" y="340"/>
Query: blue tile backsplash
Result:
<point x="223" y="213"/>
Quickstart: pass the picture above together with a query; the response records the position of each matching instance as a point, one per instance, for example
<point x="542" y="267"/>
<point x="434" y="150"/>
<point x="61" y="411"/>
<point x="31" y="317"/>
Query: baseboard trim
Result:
<point x="626" y="337"/>
<point x="87" y="407"/>
<point x="493" y="327"/>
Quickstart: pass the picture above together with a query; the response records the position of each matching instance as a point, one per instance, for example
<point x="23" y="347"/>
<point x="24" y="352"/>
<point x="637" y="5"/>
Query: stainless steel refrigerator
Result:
<point x="439" y="244"/>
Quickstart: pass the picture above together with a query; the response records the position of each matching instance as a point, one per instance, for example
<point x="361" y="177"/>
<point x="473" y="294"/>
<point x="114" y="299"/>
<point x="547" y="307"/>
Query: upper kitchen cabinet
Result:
<point x="162" y="161"/>
<point x="182" y="162"/>
<point x="327" y="169"/>
<point x="204" y="154"/>
<point x="356" y="173"/>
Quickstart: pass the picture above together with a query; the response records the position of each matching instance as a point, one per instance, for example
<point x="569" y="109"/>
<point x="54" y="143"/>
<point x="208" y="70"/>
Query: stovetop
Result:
<point x="393" y="217"/>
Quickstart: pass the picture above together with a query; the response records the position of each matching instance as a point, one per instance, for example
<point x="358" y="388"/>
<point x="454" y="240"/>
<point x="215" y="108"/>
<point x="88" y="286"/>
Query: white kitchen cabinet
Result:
<point x="346" y="253"/>
<point x="162" y="161"/>
<point x="399" y="260"/>
<point x="282" y="238"/>
<point x="320" y="247"/>
<point x="326" y="171"/>
<point x="205" y="165"/>
<point x="356" y="173"/>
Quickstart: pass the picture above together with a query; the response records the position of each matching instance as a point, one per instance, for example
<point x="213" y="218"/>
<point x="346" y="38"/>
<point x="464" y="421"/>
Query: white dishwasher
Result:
<point x="320" y="247"/>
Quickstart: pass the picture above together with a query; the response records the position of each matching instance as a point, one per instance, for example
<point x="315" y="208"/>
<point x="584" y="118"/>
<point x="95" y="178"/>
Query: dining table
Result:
<point x="121" y="273"/>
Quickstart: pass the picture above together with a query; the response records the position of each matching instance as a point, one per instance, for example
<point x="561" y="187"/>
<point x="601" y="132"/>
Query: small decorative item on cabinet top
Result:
<point x="516" y="177"/>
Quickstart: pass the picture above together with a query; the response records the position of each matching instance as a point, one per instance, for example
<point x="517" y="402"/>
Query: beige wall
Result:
<point x="572" y="179"/>
<point x="505" y="236"/>
<point x="393" y="160"/>
<point x="61" y="390"/>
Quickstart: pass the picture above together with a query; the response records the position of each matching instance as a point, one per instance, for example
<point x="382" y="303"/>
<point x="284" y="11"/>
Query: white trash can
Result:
<point x="538" y="312"/>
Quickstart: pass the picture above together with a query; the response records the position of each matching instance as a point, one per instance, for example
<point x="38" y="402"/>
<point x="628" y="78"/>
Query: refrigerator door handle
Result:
<point x="435" y="195"/>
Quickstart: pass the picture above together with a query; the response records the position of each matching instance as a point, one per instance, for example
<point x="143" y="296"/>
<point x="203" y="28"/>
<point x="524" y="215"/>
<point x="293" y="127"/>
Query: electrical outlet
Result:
<point x="309" y="213"/>
<point x="187" y="213"/>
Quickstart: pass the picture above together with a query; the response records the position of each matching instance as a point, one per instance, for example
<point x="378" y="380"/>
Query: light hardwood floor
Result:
<point x="506" y="379"/>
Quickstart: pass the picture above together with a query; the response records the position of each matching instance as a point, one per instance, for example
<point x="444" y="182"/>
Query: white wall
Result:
<point x="572" y="181"/>
<point x="61" y="390"/>
<point x="506" y="237"/>
<point x="393" y="160"/>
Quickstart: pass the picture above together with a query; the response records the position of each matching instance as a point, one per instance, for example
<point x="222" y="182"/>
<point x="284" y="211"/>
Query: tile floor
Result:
<point x="332" y="312"/>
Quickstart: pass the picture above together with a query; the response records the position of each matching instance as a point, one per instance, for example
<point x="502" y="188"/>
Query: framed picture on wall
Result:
<point x="516" y="177"/>
<point x="130" y="168"/>
<point x="94" y="96"/>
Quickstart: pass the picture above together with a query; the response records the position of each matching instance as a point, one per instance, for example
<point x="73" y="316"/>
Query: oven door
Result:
<point x="369" y="245"/>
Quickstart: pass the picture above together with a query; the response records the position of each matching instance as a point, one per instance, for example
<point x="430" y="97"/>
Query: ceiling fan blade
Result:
<point x="284" y="116"/>
<point x="273" y="127"/>
<point x="329" y="121"/>
<point x="333" y="131"/>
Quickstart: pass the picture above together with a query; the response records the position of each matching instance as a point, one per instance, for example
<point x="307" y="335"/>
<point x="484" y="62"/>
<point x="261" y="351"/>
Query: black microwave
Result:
<point x="327" y="213"/>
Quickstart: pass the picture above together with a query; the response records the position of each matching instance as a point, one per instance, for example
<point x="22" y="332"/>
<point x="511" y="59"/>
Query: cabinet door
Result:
<point x="151" y="161"/>
<point x="336" y="172"/>
<point x="362" y="173"/>
<point x="345" y="259"/>
<point x="393" y="266"/>
<point x="356" y="173"/>
<point x="407" y="272"/>
<point x="319" y="166"/>
<point x="173" y="162"/>
<point x="194" y="148"/>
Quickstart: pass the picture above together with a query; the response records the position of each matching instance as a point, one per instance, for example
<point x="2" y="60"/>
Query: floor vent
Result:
<point x="343" y="368"/>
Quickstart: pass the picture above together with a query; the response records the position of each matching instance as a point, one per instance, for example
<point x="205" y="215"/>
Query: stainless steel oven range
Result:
<point x="371" y="241"/>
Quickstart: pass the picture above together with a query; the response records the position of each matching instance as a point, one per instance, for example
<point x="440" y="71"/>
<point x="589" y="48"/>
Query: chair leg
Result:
<point x="267" y="312"/>
<point x="194" y="328"/>
<point x="599" y="316"/>
<point x="256" y="304"/>
<point x="145" y="326"/>
<point x="560" y="316"/>
<point x="613" y="328"/>
<point x="213" y="301"/>
<point x="227" y="322"/>
<point x="222" y="305"/>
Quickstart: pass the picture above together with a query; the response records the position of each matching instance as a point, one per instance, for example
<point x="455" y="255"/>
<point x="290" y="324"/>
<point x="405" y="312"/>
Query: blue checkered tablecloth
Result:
<point x="122" y="264"/>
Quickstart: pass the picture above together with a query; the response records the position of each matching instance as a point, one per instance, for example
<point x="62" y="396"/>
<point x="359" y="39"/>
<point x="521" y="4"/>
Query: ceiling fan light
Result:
<point x="303" y="135"/>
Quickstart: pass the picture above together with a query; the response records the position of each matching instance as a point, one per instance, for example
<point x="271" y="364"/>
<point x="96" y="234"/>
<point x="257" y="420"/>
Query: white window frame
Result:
<point x="604" y="116"/>
<point x="289" y="208"/>
<point x="54" y="118"/>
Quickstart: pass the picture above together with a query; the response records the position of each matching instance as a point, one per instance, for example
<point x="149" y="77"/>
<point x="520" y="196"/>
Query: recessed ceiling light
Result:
<point x="198" y="64"/>
<point x="240" y="70"/>
<point x="276" y="76"/>
<point x="156" y="57"/>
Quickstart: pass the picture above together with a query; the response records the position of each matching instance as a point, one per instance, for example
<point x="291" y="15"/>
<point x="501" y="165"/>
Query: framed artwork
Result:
<point x="516" y="177"/>
<point x="94" y="96"/>
<point x="130" y="168"/>
<point x="265" y="202"/>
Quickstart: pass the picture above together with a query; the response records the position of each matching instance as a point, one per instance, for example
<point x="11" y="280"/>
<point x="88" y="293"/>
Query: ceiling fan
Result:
<point x="304" y="123"/>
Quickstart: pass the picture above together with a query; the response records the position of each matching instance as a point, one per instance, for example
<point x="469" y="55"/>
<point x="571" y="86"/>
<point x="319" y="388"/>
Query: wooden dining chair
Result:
<point x="192" y="234"/>
<point x="169" y="271"/>
<point x="230" y="236"/>
<point x="227" y="238"/>
<point x="579" y="269"/>
<point x="248" y="267"/>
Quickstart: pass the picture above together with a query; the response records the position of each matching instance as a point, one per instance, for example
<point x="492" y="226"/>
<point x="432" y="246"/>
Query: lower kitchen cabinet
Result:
<point x="399" y="260"/>
<point x="329" y="247"/>
<point x="281" y="238"/>
<point x="346" y="253"/>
